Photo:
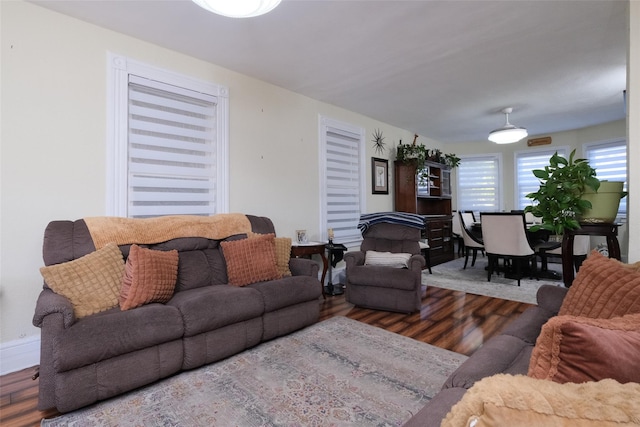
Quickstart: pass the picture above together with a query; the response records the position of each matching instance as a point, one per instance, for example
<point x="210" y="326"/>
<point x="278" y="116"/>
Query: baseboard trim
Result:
<point x="19" y="354"/>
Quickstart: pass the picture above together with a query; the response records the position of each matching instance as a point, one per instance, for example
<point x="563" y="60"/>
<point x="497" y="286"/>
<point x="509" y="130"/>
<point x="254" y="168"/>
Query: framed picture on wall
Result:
<point x="379" y="176"/>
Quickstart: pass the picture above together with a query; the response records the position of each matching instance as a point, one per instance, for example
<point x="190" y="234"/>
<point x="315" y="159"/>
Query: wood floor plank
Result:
<point x="452" y="320"/>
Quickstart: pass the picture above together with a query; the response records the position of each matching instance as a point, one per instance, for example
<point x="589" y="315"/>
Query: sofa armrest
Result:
<point x="550" y="297"/>
<point x="417" y="263"/>
<point x="48" y="303"/>
<point x="303" y="267"/>
<point x="354" y="258"/>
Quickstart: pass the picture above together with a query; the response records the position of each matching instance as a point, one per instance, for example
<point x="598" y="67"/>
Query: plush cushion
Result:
<point x="579" y="349"/>
<point x="603" y="288"/>
<point x="250" y="260"/>
<point x="505" y="400"/>
<point x="150" y="276"/>
<point x="387" y="259"/>
<point x="91" y="282"/>
<point x="283" y="255"/>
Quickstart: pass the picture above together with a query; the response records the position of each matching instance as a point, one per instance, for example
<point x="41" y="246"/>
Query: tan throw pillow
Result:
<point x="91" y="282"/>
<point x="506" y="400"/>
<point x="283" y="252"/>
<point x="387" y="259"/>
<point x="150" y="276"/>
<point x="250" y="260"/>
<point x="603" y="288"/>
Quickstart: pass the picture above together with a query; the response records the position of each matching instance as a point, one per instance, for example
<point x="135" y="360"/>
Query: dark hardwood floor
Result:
<point x="449" y="319"/>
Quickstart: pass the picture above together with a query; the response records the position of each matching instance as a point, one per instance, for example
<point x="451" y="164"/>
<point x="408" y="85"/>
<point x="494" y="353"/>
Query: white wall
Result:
<point x="633" y="123"/>
<point x="53" y="142"/>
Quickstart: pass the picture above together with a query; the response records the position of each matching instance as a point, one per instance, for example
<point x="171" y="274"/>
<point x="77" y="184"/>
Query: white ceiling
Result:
<point x="443" y="69"/>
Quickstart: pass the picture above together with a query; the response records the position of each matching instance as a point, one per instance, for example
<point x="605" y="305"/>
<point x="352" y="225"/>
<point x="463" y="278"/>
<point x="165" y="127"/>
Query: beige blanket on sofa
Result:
<point x="124" y="231"/>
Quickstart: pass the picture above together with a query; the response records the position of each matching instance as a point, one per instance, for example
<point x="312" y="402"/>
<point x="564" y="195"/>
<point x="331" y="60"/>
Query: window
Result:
<point x="478" y="187"/>
<point x="525" y="163"/>
<point x="609" y="159"/>
<point x="343" y="179"/>
<point x="168" y="143"/>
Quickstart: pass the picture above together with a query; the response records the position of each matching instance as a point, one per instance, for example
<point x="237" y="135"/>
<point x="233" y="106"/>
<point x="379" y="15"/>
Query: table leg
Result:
<point x="325" y="266"/>
<point x="567" y="259"/>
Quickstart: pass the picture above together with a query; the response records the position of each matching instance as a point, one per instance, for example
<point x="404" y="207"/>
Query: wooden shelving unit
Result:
<point x="431" y="197"/>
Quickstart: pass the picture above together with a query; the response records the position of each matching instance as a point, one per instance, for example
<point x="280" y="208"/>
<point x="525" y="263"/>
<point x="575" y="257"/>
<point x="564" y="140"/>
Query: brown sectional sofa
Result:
<point x="571" y="360"/>
<point x="105" y="354"/>
<point x="507" y="353"/>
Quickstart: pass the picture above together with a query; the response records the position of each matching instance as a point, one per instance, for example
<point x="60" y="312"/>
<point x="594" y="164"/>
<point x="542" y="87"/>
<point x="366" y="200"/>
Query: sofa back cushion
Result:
<point x="603" y="288"/>
<point x="200" y="260"/>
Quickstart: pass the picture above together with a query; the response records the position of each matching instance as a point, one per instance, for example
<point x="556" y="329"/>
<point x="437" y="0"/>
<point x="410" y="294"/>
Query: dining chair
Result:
<point x="472" y="242"/>
<point x="456" y="230"/>
<point x="505" y="237"/>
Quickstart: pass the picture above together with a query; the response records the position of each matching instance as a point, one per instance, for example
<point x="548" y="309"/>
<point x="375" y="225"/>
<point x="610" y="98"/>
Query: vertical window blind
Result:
<point x="479" y="183"/>
<point x="343" y="182"/>
<point x="171" y="150"/>
<point x="526" y="182"/>
<point x="609" y="159"/>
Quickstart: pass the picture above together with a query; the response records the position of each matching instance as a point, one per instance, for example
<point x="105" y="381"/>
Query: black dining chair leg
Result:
<point x="466" y="257"/>
<point x="490" y="268"/>
<point x="475" y="254"/>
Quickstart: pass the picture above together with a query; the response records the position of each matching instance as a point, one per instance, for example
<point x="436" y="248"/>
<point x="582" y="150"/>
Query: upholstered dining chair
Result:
<point x="472" y="242"/>
<point x="386" y="273"/>
<point x="505" y="237"/>
<point x="456" y="230"/>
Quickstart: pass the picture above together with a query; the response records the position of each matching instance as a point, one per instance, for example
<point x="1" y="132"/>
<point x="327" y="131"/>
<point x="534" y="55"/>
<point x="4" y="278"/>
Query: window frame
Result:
<point x="118" y="70"/>
<point x="324" y="123"/>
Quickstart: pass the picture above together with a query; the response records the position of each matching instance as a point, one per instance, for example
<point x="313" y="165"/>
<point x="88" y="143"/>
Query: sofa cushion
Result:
<point x="149" y="276"/>
<point x="528" y="325"/>
<point x="91" y="283"/>
<point x="603" y="288"/>
<point x="287" y="291"/>
<point x="432" y="414"/>
<point x="505" y="400"/>
<point x="283" y="253"/>
<point x="579" y="349"/>
<point x="373" y="275"/>
<point x="114" y="333"/>
<point x="387" y="259"/>
<point x="212" y="307"/>
<point x="250" y="260"/>
<point x="502" y="353"/>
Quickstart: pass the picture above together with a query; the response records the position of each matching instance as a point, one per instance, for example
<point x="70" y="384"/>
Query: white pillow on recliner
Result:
<point x="387" y="259"/>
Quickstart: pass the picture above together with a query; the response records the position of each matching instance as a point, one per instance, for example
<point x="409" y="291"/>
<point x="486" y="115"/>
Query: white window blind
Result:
<point x="171" y="150"/>
<point x="344" y="179"/>
<point x="478" y="186"/>
<point x="609" y="159"/>
<point x="525" y="163"/>
<point x="168" y="141"/>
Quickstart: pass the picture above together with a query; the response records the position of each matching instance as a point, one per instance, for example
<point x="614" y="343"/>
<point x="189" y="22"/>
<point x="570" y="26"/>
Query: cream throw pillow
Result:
<point x="387" y="259"/>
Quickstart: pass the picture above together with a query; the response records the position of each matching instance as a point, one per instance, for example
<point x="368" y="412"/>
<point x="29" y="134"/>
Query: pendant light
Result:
<point x="238" y="8"/>
<point x="508" y="133"/>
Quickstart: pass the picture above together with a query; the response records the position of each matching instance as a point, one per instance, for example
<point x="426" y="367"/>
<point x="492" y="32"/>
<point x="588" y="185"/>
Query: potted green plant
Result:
<point x="558" y="201"/>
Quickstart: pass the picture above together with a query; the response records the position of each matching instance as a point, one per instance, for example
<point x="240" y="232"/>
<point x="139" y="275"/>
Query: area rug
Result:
<point x="338" y="372"/>
<point x="473" y="280"/>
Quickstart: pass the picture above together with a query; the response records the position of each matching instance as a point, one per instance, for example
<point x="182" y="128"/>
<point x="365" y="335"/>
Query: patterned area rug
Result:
<point x="473" y="280"/>
<point x="339" y="372"/>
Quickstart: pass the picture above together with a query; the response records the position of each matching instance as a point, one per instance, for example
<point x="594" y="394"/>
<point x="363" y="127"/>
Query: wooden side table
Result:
<point x="610" y="231"/>
<point x="306" y="250"/>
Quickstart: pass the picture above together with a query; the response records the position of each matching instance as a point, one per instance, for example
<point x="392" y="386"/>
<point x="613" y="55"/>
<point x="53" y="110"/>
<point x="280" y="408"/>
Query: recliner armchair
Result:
<point x="381" y="287"/>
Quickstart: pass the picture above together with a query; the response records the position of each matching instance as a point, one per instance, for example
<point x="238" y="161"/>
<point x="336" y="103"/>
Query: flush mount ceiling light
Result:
<point x="508" y="133"/>
<point x="238" y="8"/>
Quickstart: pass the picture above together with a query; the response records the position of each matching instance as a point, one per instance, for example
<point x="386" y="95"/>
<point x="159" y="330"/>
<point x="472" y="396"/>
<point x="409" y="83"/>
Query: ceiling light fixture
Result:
<point x="508" y="133"/>
<point x="238" y="8"/>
